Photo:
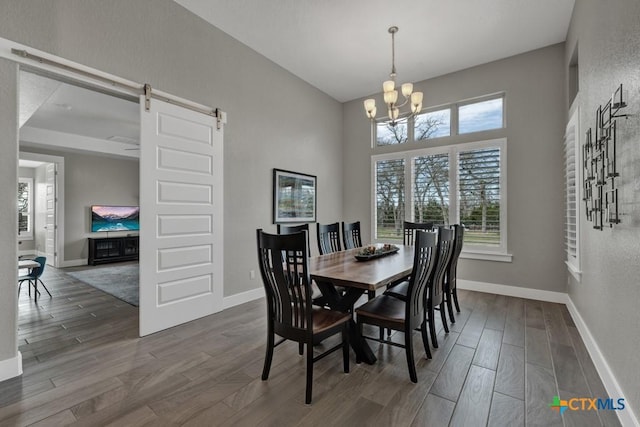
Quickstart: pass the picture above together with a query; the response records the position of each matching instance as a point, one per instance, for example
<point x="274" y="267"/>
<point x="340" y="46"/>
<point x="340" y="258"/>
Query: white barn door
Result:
<point x="181" y="234"/>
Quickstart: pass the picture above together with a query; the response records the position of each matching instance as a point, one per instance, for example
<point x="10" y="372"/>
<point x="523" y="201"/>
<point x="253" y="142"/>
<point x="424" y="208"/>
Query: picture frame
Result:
<point x="294" y="197"/>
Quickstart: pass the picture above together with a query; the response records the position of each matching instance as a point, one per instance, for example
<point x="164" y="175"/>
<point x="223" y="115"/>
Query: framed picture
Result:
<point x="294" y="197"/>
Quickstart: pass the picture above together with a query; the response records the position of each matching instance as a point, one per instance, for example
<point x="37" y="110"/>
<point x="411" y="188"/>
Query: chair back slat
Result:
<point x="284" y="269"/>
<point x="445" y="250"/>
<point x="409" y="230"/>
<point x="351" y="235"/>
<point x="423" y="265"/>
<point x="452" y="271"/>
<point x="329" y="238"/>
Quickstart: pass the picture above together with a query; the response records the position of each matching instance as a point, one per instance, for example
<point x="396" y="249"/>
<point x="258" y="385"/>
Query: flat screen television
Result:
<point x="115" y="218"/>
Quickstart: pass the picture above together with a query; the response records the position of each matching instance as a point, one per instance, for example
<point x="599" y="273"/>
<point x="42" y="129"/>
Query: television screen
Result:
<point x="115" y="218"/>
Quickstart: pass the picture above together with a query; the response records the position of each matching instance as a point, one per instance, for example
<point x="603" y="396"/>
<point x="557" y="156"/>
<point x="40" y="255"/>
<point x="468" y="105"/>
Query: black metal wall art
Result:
<point x="599" y="164"/>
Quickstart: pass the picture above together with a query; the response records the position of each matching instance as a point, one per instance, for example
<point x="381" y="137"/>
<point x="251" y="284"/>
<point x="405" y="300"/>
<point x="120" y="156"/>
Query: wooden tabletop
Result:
<point x="342" y="269"/>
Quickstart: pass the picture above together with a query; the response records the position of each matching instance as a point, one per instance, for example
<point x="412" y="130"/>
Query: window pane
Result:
<point x="389" y="198"/>
<point x="479" y="187"/>
<point x="433" y="124"/>
<point x="480" y="116"/>
<point x="23" y="207"/>
<point x="431" y="189"/>
<point x="388" y="135"/>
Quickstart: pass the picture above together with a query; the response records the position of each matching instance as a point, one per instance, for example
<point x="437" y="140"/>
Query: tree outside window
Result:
<point x="24" y="206"/>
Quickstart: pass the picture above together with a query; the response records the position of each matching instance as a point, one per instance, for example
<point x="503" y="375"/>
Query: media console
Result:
<point x="113" y="249"/>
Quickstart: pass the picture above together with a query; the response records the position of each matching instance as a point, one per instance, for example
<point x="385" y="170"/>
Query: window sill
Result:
<point x="22" y="238"/>
<point x="487" y="256"/>
<point x="577" y="274"/>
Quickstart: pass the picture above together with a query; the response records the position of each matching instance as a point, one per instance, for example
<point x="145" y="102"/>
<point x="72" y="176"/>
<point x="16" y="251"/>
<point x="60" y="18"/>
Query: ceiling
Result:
<point x="69" y="117"/>
<point x="343" y="47"/>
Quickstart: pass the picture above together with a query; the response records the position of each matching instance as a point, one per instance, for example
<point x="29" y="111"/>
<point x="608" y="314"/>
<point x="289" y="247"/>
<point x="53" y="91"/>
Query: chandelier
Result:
<point x="391" y="93"/>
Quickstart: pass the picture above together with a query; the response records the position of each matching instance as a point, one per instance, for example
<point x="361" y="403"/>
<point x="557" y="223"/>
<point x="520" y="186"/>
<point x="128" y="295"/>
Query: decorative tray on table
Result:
<point x="372" y="252"/>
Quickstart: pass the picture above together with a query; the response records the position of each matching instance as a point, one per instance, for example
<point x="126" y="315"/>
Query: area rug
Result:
<point x="120" y="281"/>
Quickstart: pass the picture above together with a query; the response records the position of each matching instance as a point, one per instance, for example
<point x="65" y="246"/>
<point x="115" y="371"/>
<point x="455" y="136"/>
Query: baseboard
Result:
<point x="627" y="417"/>
<point x="241" y="298"/>
<point x="11" y="368"/>
<point x="74" y="263"/>
<point x="513" y="291"/>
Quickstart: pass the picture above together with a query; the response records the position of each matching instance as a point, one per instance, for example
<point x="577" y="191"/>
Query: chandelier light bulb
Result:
<point x="407" y="88"/>
<point x="388" y="86"/>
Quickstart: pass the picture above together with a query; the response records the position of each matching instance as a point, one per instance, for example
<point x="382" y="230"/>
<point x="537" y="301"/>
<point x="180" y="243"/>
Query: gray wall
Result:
<point x="275" y="119"/>
<point x="8" y="211"/>
<point x="608" y="39"/>
<point x="92" y="180"/>
<point x="535" y="118"/>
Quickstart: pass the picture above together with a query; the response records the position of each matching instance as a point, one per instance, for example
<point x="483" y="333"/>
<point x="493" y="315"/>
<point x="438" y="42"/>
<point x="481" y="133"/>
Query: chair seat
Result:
<point x="324" y="320"/>
<point x="398" y="291"/>
<point x="384" y="308"/>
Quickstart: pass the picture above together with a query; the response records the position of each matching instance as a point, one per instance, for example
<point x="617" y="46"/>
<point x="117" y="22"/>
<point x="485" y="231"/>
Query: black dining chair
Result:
<point x="434" y="297"/>
<point x="406" y="315"/>
<point x="328" y="238"/>
<point x="409" y="230"/>
<point x="351" y="235"/>
<point x="450" y="280"/>
<point x="33" y="277"/>
<point x="290" y="229"/>
<point x="284" y="267"/>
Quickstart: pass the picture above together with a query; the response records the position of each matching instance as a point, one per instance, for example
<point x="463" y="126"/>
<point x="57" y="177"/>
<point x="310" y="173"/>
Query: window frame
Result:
<point x="27" y="235"/>
<point x="477" y="101"/>
<point x="454" y="121"/>
<point x="485" y="252"/>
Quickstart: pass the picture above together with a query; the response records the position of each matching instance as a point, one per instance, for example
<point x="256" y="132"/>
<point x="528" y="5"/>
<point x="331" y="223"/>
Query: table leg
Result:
<point x="345" y="304"/>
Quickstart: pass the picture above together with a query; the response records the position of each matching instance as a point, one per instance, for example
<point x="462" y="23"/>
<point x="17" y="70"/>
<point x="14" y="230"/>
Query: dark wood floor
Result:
<point x="501" y="364"/>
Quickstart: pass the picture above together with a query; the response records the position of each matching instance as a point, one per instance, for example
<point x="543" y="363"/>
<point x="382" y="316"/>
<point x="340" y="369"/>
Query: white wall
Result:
<point x="608" y="38"/>
<point x="535" y="119"/>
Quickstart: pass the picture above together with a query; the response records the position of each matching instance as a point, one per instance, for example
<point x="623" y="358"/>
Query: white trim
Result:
<point x="513" y="291"/>
<point x="628" y="416"/>
<point x="577" y="274"/>
<point x="242" y="297"/>
<point x="59" y="161"/>
<point x="487" y="256"/>
<point x="453" y="151"/>
<point x="11" y="368"/>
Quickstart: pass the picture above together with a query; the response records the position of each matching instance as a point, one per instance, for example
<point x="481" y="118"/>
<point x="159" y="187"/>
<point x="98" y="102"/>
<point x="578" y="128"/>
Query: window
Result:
<point x="387" y="134"/>
<point x="479" y="195"/>
<point x="457" y="118"/>
<point x="431" y="189"/>
<point x="434" y="124"/>
<point x="479" y="116"/>
<point x="462" y="183"/>
<point x="571" y="196"/>
<point x="25" y="203"/>
<point x="389" y="198"/>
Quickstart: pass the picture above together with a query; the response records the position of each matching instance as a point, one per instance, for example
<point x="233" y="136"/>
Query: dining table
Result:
<point x="343" y="270"/>
<point x="30" y="264"/>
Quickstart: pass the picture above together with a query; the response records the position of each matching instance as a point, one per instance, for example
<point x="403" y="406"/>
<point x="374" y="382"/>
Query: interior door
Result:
<point x="181" y="236"/>
<point x="51" y="229"/>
